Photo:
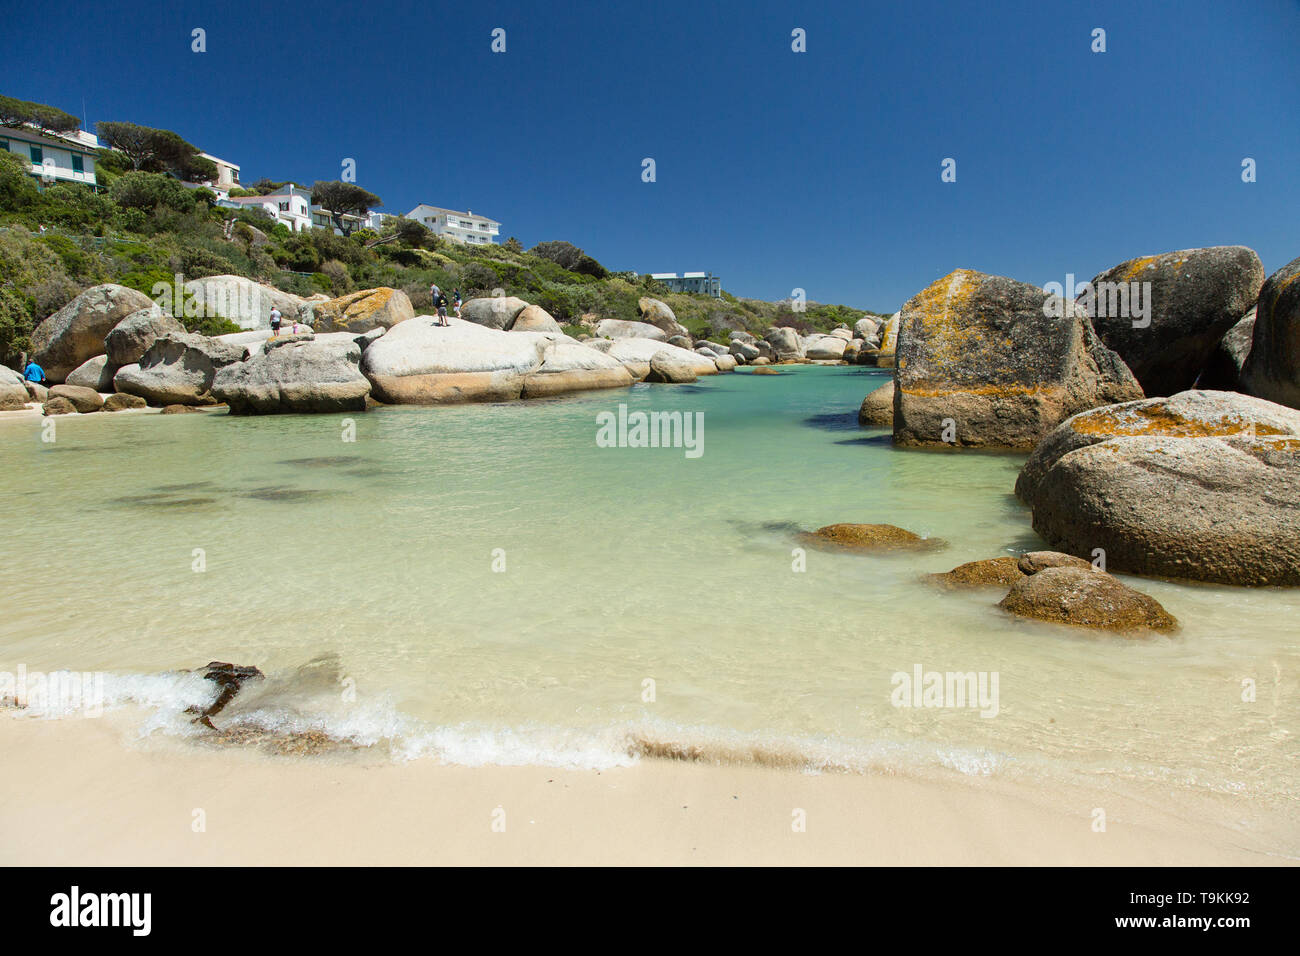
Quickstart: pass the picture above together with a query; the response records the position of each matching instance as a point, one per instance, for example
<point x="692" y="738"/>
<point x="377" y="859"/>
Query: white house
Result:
<point x="701" y="282"/>
<point x="460" y="226"/>
<point x="227" y="176"/>
<point x="321" y="219"/>
<point x="54" y="157"/>
<point x="290" y="205"/>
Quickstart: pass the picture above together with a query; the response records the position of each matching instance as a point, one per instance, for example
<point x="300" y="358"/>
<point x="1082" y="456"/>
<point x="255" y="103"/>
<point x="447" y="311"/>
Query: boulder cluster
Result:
<point x="1158" y="408"/>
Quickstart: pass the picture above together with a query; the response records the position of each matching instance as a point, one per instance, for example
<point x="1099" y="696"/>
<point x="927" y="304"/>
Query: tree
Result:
<point x="568" y="256"/>
<point x="513" y="245"/>
<point x="150" y="150"/>
<point x="339" y="199"/>
<point x="48" y="119"/>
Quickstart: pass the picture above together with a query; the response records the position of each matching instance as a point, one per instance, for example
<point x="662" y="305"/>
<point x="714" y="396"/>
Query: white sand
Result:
<point x="79" y="792"/>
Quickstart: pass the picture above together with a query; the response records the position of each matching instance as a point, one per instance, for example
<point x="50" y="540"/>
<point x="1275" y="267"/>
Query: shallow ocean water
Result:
<point x="360" y="577"/>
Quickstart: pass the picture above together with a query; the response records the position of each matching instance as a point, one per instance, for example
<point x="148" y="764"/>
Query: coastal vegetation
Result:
<point x="142" y="227"/>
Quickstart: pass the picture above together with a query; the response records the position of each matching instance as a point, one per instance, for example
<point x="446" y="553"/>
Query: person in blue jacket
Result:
<point x="34" y="373"/>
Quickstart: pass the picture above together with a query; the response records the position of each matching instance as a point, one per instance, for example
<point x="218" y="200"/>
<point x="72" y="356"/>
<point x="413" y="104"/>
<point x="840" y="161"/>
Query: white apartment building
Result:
<point x="700" y="282"/>
<point x="460" y="226"/>
<point x="291" y="205"/>
<point x="54" y="157"/>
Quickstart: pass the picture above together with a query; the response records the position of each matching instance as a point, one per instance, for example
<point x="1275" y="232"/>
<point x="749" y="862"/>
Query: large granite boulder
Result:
<point x="621" y="329"/>
<point x="877" y="409"/>
<point x="13" y="393"/>
<point x="422" y="363"/>
<point x="362" y="311"/>
<point x="1205" y="487"/>
<point x="1190" y="414"/>
<point x="1223" y="368"/>
<point x="533" y="318"/>
<point x="865" y="327"/>
<point x="127" y="341"/>
<point x="824" y="348"/>
<point x="658" y="314"/>
<point x="745" y="351"/>
<point x="979" y="363"/>
<point x="493" y="312"/>
<point x="888" y="347"/>
<point x="37" y="392"/>
<point x="569" y="366"/>
<point x="244" y="302"/>
<point x="1086" y="598"/>
<point x="636" y="355"/>
<point x="83" y="399"/>
<point x="121" y="402"/>
<point x="669" y="368"/>
<point x="1196" y="296"/>
<point x="725" y="363"/>
<point x="95" y="374"/>
<point x="1273" y="369"/>
<point x="76" y="332"/>
<point x="178" y="369"/>
<point x="58" y="405"/>
<point x="285" y="375"/>
<point x="786" y="343"/>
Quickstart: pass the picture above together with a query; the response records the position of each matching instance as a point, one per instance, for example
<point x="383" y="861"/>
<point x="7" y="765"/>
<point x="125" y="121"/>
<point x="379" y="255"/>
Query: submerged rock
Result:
<point x="990" y="572"/>
<point x="1031" y="562"/>
<point x="868" y="537"/>
<point x="980" y="363"/>
<point x="1086" y="598"/>
<point x="230" y="679"/>
<point x="1196" y="296"/>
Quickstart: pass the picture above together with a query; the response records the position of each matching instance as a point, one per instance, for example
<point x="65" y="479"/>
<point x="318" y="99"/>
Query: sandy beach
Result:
<point x="87" y="797"/>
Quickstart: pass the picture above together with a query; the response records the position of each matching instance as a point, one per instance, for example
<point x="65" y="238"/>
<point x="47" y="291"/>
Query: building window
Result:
<point x="284" y="207"/>
<point x="77" y="166"/>
<point x="38" y="156"/>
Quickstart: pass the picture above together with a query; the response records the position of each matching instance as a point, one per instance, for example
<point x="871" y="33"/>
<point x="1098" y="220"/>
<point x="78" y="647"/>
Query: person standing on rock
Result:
<point x="34" y="373"/>
<point x="455" y="298"/>
<point x="275" y="321"/>
<point x="440" y="304"/>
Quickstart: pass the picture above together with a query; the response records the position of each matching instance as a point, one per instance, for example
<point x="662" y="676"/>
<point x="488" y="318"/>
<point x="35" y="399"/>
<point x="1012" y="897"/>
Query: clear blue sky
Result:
<point x="775" y="170"/>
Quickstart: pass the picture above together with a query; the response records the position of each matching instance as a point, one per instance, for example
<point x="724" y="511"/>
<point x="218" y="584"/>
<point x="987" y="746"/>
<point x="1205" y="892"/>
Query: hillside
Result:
<point x="147" y="227"/>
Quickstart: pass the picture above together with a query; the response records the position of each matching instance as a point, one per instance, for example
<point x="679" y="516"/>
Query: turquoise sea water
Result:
<point x="360" y="577"/>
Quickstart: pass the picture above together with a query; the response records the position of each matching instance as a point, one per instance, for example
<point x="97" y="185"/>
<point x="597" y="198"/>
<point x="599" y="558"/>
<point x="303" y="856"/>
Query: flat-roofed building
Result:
<point x="701" y="283"/>
<point x="460" y="226"/>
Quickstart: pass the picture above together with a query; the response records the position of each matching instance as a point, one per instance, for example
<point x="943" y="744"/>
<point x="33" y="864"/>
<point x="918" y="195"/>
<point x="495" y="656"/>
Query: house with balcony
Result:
<point x="321" y="218"/>
<point x="459" y="226"/>
<point x="54" y="157"/>
<point x="290" y="205"/>
<point x="701" y="283"/>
